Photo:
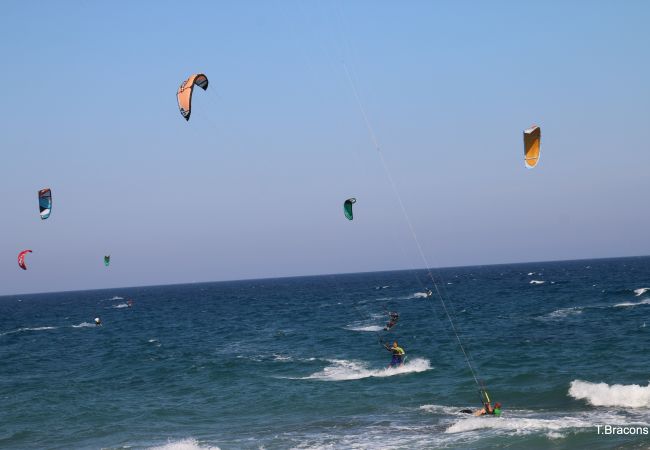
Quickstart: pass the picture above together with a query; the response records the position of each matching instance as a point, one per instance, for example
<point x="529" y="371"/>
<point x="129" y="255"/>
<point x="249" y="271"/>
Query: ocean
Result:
<point x="297" y="362"/>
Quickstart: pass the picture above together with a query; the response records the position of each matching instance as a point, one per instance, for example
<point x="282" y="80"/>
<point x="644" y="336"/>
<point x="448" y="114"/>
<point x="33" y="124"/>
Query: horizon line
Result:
<point x="324" y="275"/>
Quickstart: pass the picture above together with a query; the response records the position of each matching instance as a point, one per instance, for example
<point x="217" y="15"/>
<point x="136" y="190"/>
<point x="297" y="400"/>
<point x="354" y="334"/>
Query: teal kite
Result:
<point x="347" y="208"/>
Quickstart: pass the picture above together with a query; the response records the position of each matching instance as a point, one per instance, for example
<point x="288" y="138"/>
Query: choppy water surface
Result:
<point x="296" y="363"/>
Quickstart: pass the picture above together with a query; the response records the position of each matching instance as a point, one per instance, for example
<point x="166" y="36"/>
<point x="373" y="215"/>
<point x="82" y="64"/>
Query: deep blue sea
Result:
<point x="296" y="362"/>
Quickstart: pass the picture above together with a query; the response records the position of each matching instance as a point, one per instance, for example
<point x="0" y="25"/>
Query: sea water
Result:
<point x="298" y="362"/>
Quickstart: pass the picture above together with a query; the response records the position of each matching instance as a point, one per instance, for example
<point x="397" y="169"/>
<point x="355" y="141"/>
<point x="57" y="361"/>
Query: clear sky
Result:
<point x="253" y="185"/>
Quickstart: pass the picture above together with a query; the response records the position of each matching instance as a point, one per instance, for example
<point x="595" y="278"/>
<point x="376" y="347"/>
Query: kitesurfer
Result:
<point x="394" y="317"/>
<point x="398" y="355"/>
<point x="488" y="410"/>
<point x="429" y="293"/>
<point x="98" y="322"/>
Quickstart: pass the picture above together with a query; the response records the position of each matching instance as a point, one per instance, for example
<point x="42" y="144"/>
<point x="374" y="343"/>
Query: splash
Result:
<point x="183" y="444"/>
<point x="84" y="325"/>
<point x="342" y="370"/>
<point x="641" y="291"/>
<point x="603" y="394"/>
<point x="366" y="328"/>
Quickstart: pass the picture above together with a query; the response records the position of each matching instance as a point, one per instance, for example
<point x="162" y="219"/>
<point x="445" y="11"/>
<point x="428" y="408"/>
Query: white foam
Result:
<point x="564" y="312"/>
<point x="341" y="370"/>
<point x="121" y="305"/>
<point x="277" y="357"/>
<point x="442" y="409"/>
<point x="603" y="394"/>
<point x="531" y="273"/>
<point x="537" y="282"/>
<point x="84" y="325"/>
<point x="20" y="330"/>
<point x="184" y="444"/>
<point x="366" y="328"/>
<point x="625" y="304"/>
<point x="416" y="295"/>
<point x="554" y="435"/>
<point x="641" y="291"/>
<point x="117" y="297"/>
<point x="517" y="425"/>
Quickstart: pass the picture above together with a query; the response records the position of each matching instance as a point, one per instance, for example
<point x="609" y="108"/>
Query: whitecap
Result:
<point x="121" y="305"/>
<point x="564" y="312"/>
<point x="626" y="304"/>
<point x="603" y="394"/>
<point x="641" y="291"/>
<point x="537" y="282"/>
<point x="20" y="330"/>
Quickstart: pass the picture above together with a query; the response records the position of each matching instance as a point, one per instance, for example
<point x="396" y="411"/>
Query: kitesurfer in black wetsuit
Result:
<point x="394" y="317"/>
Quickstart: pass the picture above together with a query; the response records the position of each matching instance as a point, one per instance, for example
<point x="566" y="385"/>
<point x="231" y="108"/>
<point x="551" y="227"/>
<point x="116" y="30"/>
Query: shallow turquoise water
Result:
<point x="295" y="363"/>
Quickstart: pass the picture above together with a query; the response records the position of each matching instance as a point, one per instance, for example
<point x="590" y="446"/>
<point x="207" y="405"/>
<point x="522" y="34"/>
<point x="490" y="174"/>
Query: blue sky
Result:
<point x="253" y="185"/>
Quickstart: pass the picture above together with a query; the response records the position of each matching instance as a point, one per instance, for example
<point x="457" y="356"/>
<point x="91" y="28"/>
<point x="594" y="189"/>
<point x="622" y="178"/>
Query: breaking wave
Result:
<point x="121" y="305"/>
<point x="603" y="394"/>
<point x="641" y="291"/>
<point x="537" y="282"/>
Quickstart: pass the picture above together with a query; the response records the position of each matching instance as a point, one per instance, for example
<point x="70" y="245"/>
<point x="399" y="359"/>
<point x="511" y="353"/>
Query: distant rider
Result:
<point x="394" y="317"/>
<point x="398" y="355"/>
